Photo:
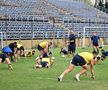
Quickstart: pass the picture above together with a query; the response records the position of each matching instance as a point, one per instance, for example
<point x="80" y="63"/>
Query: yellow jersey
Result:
<point x="46" y="60"/>
<point x="87" y="56"/>
<point x="19" y="45"/>
<point x="43" y="44"/>
<point x="29" y="54"/>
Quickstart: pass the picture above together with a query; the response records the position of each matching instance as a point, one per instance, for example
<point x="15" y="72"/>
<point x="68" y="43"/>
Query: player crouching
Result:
<point x="29" y="53"/>
<point x="63" y="52"/>
<point x="104" y="54"/>
<point x="4" y="58"/>
<point x="45" y="61"/>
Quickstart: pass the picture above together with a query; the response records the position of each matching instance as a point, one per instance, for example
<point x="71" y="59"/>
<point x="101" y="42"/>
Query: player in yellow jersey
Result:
<point x="29" y="53"/>
<point x="20" y="50"/>
<point x="43" y="47"/>
<point x="82" y="59"/>
<point x="45" y="61"/>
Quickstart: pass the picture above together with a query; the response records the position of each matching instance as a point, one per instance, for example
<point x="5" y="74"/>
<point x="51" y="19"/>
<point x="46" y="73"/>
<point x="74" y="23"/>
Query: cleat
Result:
<point x="47" y="66"/>
<point x="77" y="77"/>
<point x="59" y="79"/>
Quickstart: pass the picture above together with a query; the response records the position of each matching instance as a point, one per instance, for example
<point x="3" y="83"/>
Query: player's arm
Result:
<point x="70" y="41"/>
<point x="92" y="68"/>
<point x="67" y="41"/>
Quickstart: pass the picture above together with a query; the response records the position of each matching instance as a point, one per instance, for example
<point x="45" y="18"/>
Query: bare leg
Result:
<point x="69" y="69"/>
<point x="73" y="53"/>
<point x="9" y="64"/>
<point x="41" y="52"/>
<point x="38" y="61"/>
<point x="68" y="55"/>
<point x="37" y="66"/>
<point x="18" y="54"/>
<point x="83" y="71"/>
<point x="0" y="61"/>
<point x="85" y="74"/>
<point x="15" y="57"/>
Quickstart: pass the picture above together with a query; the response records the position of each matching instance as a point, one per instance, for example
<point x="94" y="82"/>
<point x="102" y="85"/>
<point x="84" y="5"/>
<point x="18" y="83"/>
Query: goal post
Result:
<point x="2" y="42"/>
<point x="88" y="32"/>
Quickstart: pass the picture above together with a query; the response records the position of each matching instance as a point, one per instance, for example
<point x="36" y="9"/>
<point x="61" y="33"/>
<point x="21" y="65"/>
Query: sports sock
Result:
<point x="61" y="76"/>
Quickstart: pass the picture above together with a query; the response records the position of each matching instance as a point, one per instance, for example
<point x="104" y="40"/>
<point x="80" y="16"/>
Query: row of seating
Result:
<point x="36" y="19"/>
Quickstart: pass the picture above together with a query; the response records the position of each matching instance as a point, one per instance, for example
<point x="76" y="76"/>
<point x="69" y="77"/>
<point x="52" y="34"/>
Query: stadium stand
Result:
<point x="26" y="19"/>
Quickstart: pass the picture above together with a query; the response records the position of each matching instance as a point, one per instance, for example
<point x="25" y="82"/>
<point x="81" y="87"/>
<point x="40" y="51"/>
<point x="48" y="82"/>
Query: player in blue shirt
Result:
<point x="104" y="54"/>
<point x="71" y="44"/>
<point x="63" y="51"/>
<point x="95" y="41"/>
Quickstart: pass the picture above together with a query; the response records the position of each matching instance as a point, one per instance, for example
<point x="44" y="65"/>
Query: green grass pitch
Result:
<point x="25" y="77"/>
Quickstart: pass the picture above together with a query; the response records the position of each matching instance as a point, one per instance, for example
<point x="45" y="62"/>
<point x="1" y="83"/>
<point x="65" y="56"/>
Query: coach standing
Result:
<point x="71" y="44"/>
<point x="95" y="41"/>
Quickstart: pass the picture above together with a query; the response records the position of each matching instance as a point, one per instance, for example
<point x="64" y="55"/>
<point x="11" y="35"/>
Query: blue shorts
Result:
<point x="78" y="60"/>
<point x="3" y="57"/>
<point x="95" y="44"/>
<point x="72" y="48"/>
<point x="65" y="52"/>
<point x="44" y="63"/>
